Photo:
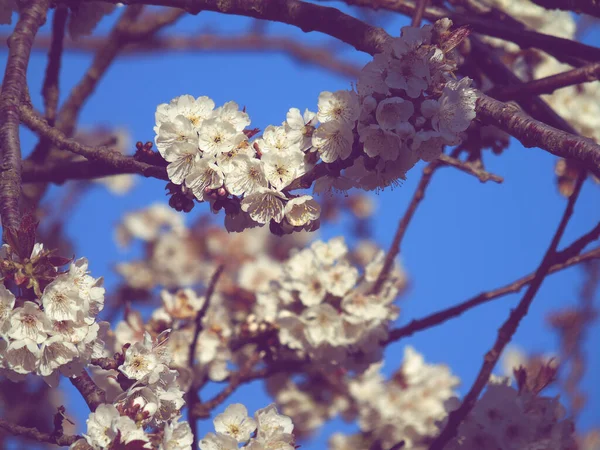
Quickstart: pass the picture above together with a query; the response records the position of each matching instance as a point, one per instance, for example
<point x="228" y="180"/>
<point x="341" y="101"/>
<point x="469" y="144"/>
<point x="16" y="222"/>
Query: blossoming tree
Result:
<point x="257" y="297"/>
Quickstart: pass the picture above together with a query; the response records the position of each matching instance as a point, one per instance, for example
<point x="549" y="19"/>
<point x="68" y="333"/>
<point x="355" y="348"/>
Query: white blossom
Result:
<point x="235" y="422"/>
<point x="28" y="322"/>
<point x="300" y="127"/>
<point x="281" y="168"/>
<point x="301" y="210"/>
<point x="22" y="356"/>
<point x="217" y="136"/>
<point x="247" y="176"/>
<point x="264" y="205"/>
<point x="333" y="140"/>
<point x="340" y="106"/>
<point x="205" y="175"/>
<point x="181" y="160"/>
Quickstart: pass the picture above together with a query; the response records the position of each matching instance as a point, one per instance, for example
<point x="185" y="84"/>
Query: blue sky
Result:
<point x="466" y="237"/>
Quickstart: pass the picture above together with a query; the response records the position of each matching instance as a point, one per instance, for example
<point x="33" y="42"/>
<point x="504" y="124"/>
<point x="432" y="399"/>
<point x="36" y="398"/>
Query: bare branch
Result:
<point x="103" y="156"/>
<point x="532" y="133"/>
<point x="547" y="85"/>
<point x="469" y="168"/>
<point x="565" y="50"/>
<point x="320" y="56"/>
<point x="418" y="13"/>
<point x="14" y="84"/>
<point x="50" y="86"/>
<point x="193" y="397"/>
<point x="403" y="224"/>
<point x="450" y="313"/>
<point x="306" y="16"/>
<point x="509" y="327"/>
<point x="92" y="394"/>
<point x="35" y="434"/>
<point x="243" y="375"/>
<point x="591" y="7"/>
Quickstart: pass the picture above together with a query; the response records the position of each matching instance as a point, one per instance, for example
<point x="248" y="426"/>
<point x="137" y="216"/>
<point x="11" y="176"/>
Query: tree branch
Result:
<point x="14" y="84"/>
<point x="394" y="250"/>
<point x="591" y="7"/>
<point x="532" y="133"/>
<point x="509" y="327"/>
<point x="470" y="168"/>
<point x="193" y="397"/>
<point x="565" y="50"/>
<point x="50" y="86"/>
<point x="243" y="375"/>
<point x="306" y="16"/>
<point x="547" y="85"/>
<point x="454" y="311"/>
<point x="103" y="156"/>
<point x="92" y="394"/>
<point x="35" y="434"/>
<point x="320" y="56"/>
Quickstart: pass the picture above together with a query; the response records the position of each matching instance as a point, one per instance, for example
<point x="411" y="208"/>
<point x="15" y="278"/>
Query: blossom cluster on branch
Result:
<point x="55" y="329"/>
<point x="407" y="106"/>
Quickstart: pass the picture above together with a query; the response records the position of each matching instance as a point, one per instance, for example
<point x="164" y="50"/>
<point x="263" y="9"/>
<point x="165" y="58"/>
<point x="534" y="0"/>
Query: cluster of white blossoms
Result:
<point x="407" y="106"/>
<point x="326" y="308"/>
<point x="407" y="407"/>
<point x="512" y="419"/>
<point x="145" y="400"/>
<point x="55" y="331"/>
<point x="267" y="430"/>
<point x="580" y="104"/>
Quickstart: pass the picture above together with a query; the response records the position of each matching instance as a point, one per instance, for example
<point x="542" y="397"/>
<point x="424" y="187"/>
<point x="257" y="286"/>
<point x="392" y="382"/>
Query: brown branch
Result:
<point x="51" y="81"/>
<point x="320" y="56"/>
<point x="547" y="85"/>
<point x="61" y="172"/>
<point x="566" y="50"/>
<point x="92" y="394"/>
<point x="419" y="10"/>
<point x="14" y="84"/>
<point x="532" y="133"/>
<point x="243" y="375"/>
<point x="35" y="434"/>
<point x="493" y="67"/>
<point x="69" y="112"/>
<point x="509" y="327"/>
<point x="193" y="397"/>
<point x="470" y="168"/>
<point x="403" y="225"/>
<point x="591" y="7"/>
<point x="454" y="311"/>
<point x="306" y="16"/>
<point x="103" y="156"/>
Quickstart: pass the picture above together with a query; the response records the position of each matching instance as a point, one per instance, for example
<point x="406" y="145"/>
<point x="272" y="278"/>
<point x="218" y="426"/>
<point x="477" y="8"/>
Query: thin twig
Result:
<point x="243" y="375"/>
<point x="193" y="397"/>
<point x="35" y="434"/>
<point x="317" y="55"/>
<point x="50" y="86"/>
<point x="469" y="168"/>
<point x="454" y="311"/>
<point x="509" y="327"/>
<point x="403" y="225"/>
<point x="417" y="16"/>
<point x="547" y="85"/>
<point x="14" y="84"/>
